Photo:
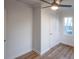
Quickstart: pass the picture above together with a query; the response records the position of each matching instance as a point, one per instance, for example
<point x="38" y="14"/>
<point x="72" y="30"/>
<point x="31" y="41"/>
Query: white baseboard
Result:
<point x="42" y="52"/>
<point x="68" y="44"/>
<point x="22" y="53"/>
<point x="36" y="51"/>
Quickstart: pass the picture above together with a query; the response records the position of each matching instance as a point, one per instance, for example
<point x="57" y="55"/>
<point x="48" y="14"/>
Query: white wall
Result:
<point x="19" y="29"/>
<point x="21" y="18"/>
<point x="36" y="29"/>
<point x="66" y="39"/>
<point x="49" y="29"/>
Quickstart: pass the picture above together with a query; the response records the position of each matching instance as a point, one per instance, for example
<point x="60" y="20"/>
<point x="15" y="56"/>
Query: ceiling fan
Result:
<point x="55" y="4"/>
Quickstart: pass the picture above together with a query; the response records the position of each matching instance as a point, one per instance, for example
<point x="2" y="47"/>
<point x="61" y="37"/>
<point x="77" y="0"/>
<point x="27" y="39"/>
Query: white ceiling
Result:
<point x="31" y="2"/>
<point x="35" y="3"/>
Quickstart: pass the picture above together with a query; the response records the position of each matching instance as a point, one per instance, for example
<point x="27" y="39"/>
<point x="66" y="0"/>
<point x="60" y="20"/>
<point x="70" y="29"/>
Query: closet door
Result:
<point x="53" y="30"/>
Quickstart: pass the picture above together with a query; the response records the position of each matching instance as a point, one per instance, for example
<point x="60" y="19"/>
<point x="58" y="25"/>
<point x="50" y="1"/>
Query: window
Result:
<point x="68" y="25"/>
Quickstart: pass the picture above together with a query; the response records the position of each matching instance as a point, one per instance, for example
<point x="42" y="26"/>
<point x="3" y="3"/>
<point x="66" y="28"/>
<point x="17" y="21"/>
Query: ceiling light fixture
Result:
<point x="58" y="2"/>
<point x="54" y="7"/>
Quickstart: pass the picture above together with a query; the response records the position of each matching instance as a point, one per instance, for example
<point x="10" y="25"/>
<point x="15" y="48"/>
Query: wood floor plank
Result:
<point x="61" y="54"/>
<point x="60" y="51"/>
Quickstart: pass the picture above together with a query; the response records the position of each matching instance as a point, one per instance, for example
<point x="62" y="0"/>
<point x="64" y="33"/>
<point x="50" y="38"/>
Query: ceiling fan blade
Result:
<point x="65" y="5"/>
<point x="61" y="0"/>
<point x="45" y="1"/>
<point x="58" y="1"/>
<point x="46" y="7"/>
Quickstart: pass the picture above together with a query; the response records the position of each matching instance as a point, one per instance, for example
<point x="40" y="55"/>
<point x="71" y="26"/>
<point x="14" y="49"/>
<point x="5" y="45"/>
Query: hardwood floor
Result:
<point x="60" y="51"/>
